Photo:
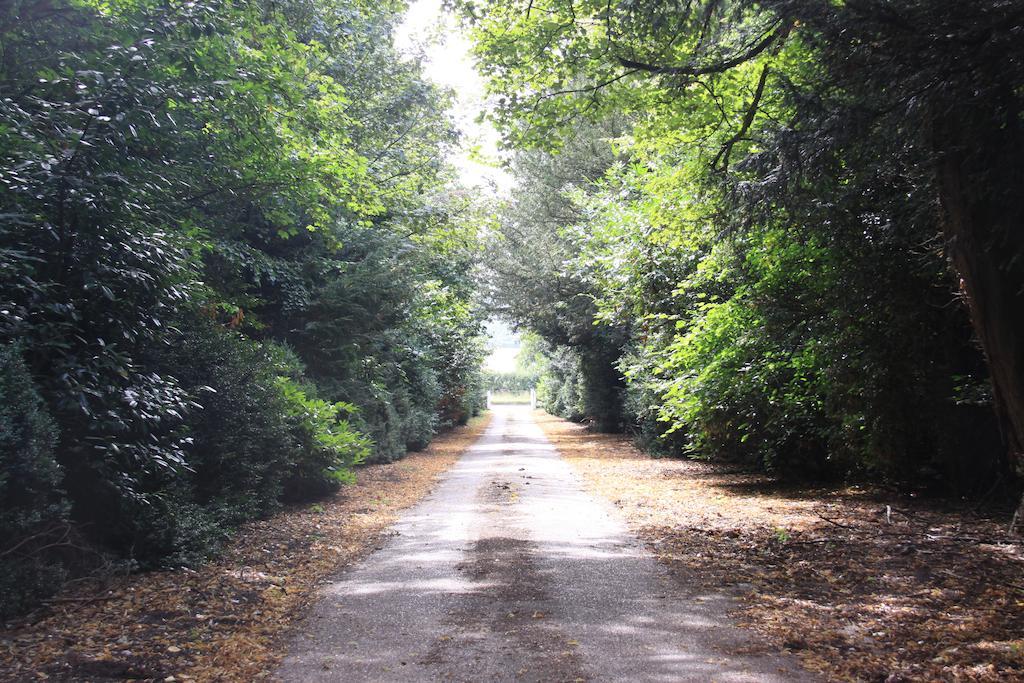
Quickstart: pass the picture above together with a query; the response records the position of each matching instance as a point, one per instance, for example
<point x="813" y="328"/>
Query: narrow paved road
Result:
<point x="510" y="571"/>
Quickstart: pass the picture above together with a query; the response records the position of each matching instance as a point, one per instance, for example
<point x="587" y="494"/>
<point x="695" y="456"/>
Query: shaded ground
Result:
<point x="509" y="571"/>
<point x="862" y="585"/>
<point x="222" y="622"/>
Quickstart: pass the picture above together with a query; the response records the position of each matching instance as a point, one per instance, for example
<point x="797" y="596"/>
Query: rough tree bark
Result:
<point x="979" y="181"/>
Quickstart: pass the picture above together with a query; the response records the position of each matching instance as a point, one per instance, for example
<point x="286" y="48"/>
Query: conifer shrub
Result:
<point x="33" y="510"/>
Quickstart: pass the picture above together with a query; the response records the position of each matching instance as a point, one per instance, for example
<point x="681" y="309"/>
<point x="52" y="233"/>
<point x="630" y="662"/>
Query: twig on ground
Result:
<point x="838" y="524"/>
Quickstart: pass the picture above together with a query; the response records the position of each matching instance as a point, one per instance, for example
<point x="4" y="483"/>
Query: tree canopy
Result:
<point x="797" y="220"/>
<point x="234" y="265"/>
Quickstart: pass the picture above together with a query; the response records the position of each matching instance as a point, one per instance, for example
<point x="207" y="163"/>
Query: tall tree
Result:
<point x="761" y="90"/>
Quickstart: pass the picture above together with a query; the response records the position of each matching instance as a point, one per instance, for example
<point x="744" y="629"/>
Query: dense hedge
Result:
<point x="228" y="272"/>
<point x="509" y="381"/>
<point x="735" y="230"/>
<point x="33" y="509"/>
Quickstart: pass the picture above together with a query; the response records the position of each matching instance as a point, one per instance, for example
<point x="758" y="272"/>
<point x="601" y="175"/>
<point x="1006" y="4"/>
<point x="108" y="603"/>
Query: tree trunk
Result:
<point x="983" y="221"/>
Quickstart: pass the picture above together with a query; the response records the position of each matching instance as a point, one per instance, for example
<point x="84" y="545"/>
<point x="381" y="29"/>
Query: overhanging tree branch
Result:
<point x="748" y="119"/>
<point x="716" y="67"/>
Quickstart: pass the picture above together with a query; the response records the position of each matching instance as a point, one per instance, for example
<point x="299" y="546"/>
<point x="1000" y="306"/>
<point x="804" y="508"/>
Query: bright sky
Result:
<point x="504" y="361"/>
<point x="505" y="347"/>
<point x="429" y="28"/>
<point x="447" y="62"/>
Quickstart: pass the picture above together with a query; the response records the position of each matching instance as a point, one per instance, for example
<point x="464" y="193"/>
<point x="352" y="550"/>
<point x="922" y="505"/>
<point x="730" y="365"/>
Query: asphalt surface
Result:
<point x="510" y="571"/>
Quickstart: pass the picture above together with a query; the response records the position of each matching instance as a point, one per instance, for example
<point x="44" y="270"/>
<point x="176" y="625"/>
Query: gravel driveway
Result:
<point x="510" y="571"/>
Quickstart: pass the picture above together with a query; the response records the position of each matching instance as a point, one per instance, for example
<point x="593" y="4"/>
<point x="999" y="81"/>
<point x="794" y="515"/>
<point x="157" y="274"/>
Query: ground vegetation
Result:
<point x="232" y="265"/>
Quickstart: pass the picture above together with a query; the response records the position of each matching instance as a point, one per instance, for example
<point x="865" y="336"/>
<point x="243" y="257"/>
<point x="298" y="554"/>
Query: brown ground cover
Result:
<point x="225" y="620"/>
<point x="861" y="584"/>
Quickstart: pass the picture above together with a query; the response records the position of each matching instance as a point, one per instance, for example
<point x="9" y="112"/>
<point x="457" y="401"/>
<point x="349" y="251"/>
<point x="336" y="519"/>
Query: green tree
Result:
<point x="533" y="276"/>
<point x="770" y="243"/>
<point x="230" y="258"/>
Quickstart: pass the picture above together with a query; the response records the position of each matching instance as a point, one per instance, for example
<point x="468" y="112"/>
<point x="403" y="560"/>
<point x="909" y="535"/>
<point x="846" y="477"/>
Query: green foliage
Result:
<point x="509" y="381"/>
<point x="33" y="511"/>
<point x="392" y="332"/>
<point x="537" y="281"/>
<point x="330" y="446"/>
<point x="241" y="440"/>
<point x="733" y="203"/>
<point x="256" y="439"/>
<point x="561" y="389"/>
<point x="230" y="258"/>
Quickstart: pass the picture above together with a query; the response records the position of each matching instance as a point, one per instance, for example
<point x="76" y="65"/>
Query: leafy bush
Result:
<point x="387" y="334"/>
<point x="330" y="445"/>
<point x="510" y="381"/>
<point x="768" y="244"/>
<point x="240" y="444"/>
<point x="561" y="390"/>
<point x="257" y="436"/>
<point x="223" y="302"/>
<point x="33" y="511"/>
<point x="581" y="383"/>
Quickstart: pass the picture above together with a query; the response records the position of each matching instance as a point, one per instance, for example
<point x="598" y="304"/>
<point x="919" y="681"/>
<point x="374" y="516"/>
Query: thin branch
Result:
<point x="717" y="67"/>
<point x="64" y="529"/>
<point x="588" y="89"/>
<point x="748" y="119"/>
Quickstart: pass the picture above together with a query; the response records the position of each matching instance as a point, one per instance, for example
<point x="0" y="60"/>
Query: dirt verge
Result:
<point x="861" y="584"/>
<point x="224" y="621"/>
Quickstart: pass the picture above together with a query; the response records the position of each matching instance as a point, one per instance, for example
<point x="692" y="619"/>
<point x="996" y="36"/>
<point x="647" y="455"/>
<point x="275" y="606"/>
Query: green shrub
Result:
<point x="329" y="444"/>
<point x="241" y="437"/>
<point x="33" y="511"/>
<point x="240" y="444"/>
<point x="561" y="388"/>
<point x="424" y="391"/>
<point x="258" y="437"/>
<point x="583" y="384"/>
<point x="419" y="428"/>
<point x="510" y="381"/>
<point x="154" y="281"/>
